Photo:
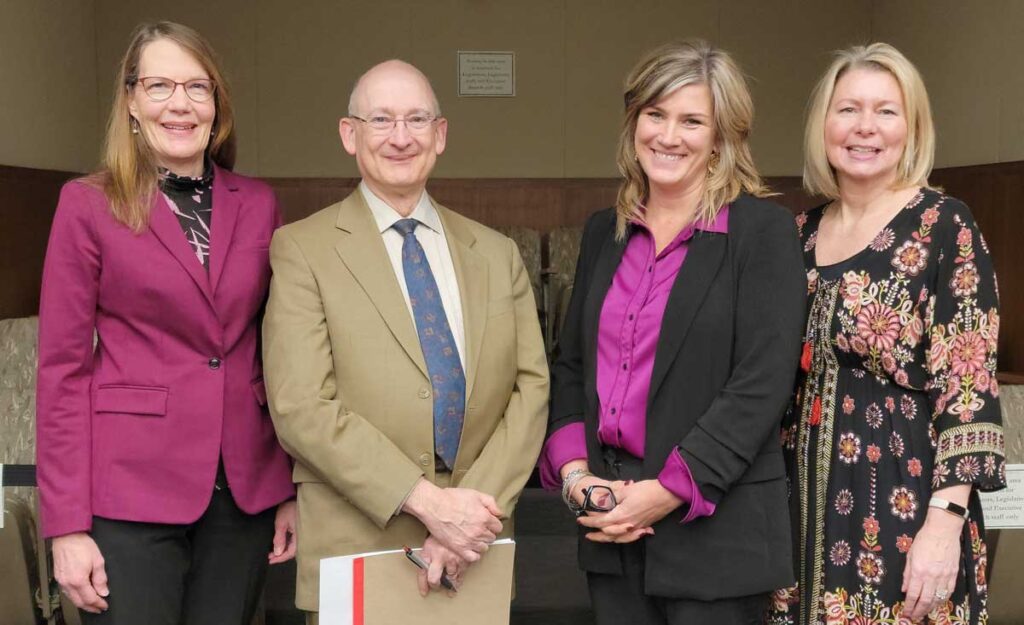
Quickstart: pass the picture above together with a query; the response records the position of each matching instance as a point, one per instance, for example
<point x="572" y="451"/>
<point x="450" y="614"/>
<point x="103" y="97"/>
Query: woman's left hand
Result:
<point x="284" y="533"/>
<point x="639" y="506"/>
<point x="933" y="561"/>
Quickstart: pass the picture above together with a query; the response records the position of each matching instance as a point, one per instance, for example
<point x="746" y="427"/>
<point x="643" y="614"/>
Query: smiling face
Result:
<point x="675" y="138"/>
<point x="176" y="129"/>
<point x="394" y="162"/>
<point x="866" y="127"/>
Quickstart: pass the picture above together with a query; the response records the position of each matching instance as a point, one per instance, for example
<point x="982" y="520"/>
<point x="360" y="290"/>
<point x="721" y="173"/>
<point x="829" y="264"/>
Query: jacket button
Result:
<point x="424" y="393"/>
<point x="425" y="459"/>
<point x="214" y="363"/>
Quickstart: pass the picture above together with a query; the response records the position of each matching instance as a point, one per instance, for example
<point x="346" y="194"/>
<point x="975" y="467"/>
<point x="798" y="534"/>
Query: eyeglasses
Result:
<point x="386" y="123"/>
<point x="159" y="89"/>
<point x="597" y="498"/>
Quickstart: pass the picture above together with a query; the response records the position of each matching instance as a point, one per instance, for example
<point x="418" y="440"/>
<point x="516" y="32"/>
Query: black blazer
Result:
<point x="723" y="374"/>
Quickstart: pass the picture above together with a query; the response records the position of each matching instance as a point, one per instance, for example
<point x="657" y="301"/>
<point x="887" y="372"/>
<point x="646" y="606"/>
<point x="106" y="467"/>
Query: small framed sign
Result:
<point x="487" y="74"/>
<point x="1004" y="509"/>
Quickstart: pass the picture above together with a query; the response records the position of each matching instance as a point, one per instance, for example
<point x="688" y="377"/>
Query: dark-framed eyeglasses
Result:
<point x="159" y="89"/>
<point x="417" y="122"/>
<point x="597" y="498"/>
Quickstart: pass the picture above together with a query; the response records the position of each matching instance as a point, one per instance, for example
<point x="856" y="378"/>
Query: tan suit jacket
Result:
<point x="348" y="387"/>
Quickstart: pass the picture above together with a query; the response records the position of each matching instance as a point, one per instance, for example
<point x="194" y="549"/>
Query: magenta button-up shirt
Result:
<point x="627" y="342"/>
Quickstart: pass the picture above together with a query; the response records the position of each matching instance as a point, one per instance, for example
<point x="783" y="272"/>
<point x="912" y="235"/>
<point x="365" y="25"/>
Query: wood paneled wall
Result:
<point x="539" y="203"/>
<point x="28" y="197"/>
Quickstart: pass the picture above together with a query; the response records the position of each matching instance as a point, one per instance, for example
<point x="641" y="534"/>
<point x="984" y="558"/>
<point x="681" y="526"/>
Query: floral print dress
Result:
<point x="898" y="398"/>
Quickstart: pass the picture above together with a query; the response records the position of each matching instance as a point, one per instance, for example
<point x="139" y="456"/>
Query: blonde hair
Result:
<point x="658" y="74"/>
<point x="128" y="175"/>
<point x="919" y="153"/>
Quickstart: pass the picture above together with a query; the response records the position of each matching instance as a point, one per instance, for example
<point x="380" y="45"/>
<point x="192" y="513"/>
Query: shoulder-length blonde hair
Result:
<point x="658" y="74"/>
<point x="919" y="153"/>
<point x="128" y="175"/>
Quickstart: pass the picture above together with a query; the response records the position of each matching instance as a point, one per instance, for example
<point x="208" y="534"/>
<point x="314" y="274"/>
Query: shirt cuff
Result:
<point x="676" y="477"/>
<point x="568" y="443"/>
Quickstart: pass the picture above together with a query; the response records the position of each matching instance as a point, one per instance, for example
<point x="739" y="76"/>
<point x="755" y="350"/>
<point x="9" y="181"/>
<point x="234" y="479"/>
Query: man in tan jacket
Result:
<point x="403" y="358"/>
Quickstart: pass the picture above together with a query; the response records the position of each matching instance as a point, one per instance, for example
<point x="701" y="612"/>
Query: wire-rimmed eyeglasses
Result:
<point x="417" y="122"/>
<point x="159" y="88"/>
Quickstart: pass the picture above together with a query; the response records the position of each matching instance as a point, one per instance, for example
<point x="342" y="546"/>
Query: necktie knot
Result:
<point x="405" y="227"/>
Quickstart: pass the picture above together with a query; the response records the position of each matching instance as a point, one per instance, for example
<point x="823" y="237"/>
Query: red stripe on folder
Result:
<point x="357" y="591"/>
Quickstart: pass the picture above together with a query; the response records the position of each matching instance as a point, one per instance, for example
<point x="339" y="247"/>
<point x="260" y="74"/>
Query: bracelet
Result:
<point x="568" y="483"/>
<point x="949" y="506"/>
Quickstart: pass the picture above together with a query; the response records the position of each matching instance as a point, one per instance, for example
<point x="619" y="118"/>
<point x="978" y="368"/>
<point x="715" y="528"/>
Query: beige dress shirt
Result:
<point x="430" y="234"/>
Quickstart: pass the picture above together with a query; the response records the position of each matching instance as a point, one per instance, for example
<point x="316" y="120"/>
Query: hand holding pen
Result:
<point x="435" y="567"/>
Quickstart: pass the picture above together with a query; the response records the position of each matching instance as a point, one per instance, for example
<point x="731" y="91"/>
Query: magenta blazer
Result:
<point x="133" y="429"/>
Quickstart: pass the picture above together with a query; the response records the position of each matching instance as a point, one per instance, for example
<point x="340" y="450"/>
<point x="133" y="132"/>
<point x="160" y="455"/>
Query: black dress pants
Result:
<point x="208" y="573"/>
<point x="619" y="599"/>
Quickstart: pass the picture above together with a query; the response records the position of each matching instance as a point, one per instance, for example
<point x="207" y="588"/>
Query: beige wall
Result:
<point x="970" y="54"/>
<point x="48" y="117"/>
<point x="292" y="65"/>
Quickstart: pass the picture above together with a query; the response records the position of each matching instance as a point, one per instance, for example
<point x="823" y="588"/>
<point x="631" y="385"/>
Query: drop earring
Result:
<point x="713" y="163"/>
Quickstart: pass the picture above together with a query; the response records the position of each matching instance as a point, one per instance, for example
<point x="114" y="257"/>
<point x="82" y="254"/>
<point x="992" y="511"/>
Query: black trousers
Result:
<point x="618" y="599"/>
<point x="208" y="573"/>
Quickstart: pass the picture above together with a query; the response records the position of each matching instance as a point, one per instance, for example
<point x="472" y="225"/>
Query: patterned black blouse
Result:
<point x="191" y="200"/>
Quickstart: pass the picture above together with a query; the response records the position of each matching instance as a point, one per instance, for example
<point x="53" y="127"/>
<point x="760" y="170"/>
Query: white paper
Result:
<point x="1004" y="509"/>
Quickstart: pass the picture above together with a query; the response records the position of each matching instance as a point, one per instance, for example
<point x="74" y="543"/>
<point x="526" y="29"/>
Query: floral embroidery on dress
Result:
<point x="903" y="342"/>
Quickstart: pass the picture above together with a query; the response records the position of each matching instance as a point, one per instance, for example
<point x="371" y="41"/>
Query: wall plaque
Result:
<point x="487" y="74"/>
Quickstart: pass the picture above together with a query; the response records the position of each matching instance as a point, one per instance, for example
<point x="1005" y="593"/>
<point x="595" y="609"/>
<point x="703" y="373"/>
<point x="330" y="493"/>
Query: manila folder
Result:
<point x="379" y="588"/>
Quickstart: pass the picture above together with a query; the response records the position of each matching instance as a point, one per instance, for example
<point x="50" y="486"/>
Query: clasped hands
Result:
<point x="462" y="523"/>
<point x="639" y="505"/>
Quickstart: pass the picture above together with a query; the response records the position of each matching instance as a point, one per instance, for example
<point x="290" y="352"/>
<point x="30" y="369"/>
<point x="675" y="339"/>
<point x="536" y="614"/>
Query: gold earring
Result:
<point x="713" y="163"/>
<point x="134" y="123"/>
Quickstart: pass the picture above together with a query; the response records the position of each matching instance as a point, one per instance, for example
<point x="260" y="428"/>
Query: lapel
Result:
<point x="703" y="259"/>
<point x="471" y="275"/>
<point x="226" y="205"/>
<point x="164" y="225"/>
<point x="361" y="249"/>
<point x="608" y="260"/>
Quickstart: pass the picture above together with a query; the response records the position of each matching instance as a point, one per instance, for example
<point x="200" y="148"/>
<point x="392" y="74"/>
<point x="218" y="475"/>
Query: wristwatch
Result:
<point x="949" y="506"/>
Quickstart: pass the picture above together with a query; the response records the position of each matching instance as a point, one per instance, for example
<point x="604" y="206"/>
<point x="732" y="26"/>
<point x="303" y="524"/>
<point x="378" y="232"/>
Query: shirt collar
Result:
<point x="720" y="224"/>
<point x="385" y="216"/>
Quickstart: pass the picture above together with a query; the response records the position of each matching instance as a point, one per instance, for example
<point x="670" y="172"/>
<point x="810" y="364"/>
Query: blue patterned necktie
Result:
<point x="437" y="342"/>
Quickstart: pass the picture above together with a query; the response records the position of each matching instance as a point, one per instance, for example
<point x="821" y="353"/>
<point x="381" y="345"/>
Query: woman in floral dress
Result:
<point x="896" y="424"/>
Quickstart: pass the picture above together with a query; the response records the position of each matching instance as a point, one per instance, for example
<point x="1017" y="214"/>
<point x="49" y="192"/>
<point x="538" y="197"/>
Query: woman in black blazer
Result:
<point x="677" y="359"/>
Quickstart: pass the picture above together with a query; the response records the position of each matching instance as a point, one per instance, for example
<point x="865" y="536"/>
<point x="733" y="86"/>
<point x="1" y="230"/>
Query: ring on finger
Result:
<point x="941" y="595"/>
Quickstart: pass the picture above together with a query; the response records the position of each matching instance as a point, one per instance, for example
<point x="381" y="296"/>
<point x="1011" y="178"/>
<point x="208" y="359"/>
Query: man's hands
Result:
<point x="462" y="520"/>
<point x="439" y="560"/>
<point x="78" y="567"/>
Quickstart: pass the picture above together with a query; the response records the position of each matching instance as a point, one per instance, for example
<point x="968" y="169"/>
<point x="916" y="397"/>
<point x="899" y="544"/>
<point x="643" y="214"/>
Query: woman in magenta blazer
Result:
<point x="161" y="480"/>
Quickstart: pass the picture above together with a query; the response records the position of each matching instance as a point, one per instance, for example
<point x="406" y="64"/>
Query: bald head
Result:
<point x="390" y="81"/>
<point x="395" y="131"/>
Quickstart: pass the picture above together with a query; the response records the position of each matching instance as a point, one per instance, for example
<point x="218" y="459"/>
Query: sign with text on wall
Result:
<point x="1004" y="509"/>
<point x="487" y="74"/>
